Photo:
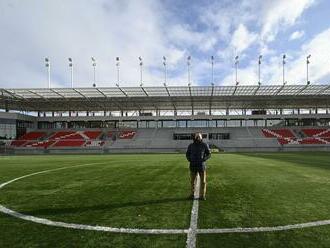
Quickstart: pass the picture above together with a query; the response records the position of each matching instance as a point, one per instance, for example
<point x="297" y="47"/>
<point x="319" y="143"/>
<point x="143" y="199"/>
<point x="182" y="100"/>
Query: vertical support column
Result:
<point x="6" y="106"/>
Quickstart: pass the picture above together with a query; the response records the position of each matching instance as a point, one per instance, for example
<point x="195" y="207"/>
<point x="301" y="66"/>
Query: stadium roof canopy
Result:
<point x="166" y="98"/>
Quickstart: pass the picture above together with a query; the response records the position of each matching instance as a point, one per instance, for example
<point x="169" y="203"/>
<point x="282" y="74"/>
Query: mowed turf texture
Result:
<point x="150" y="191"/>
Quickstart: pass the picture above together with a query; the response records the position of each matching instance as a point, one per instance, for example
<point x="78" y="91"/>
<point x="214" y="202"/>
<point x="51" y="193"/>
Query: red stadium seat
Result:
<point x="310" y="132"/>
<point x="312" y="141"/>
<point x="71" y="135"/>
<point x="284" y="136"/>
<point x="69" y="143"/>
<point x="41" y="144"/>
<point x="92" y="134"/>
<point x="17" y="143"/>
<point x="32" y="136"/>
<point x="61" y="139"/>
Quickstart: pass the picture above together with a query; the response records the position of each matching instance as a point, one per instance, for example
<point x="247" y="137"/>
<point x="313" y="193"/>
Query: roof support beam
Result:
<point x="41" y="96"/>
<point x="144" y="91"/>
<point x="211" y="99"/>
<point x="255" y="92"/>
<point x="300" y="91"/>
<point x="168" y="93"/>
<point x="280" y="89"/>
<point x="13" y="95"/>
<point x="57" y="93"/>
<point x="191" y="99"/>
<point x="122" y="91"/>
<point x="236" y="86"/>
<point x="86" y="98"/>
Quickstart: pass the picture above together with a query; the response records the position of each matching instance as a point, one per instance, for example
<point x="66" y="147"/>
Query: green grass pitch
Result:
<point x="150" y="191"/>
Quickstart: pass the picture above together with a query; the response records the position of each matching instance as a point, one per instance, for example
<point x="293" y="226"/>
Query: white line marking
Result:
<point x="191" y="237"/>
<point x="265" y="229"/>
<point x="89" y="227"/>
<point x="45" y="171"/>
<point x="191" y="232"/>
<point x="44" y="221"/>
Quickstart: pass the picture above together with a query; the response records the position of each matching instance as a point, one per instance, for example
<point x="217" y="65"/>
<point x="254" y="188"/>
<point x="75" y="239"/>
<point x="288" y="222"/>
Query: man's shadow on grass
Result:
<point x="108" y="206"/>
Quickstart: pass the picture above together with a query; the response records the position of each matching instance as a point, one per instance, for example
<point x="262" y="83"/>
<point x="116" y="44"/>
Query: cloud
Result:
<point x="280" y="14"/>
<point x="297" y="35"/>
<point x="319" y="48"/>
<point x="271" y="73"/>
<point x="183" y="36"/>
<point x="242" y="39"/>
<point x="104" y="29"/>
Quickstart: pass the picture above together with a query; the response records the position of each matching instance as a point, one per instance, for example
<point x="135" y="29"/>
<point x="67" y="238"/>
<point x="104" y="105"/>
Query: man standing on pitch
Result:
<point x="197" y="153"/>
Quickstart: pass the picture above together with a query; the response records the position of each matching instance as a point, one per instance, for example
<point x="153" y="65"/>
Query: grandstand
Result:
<point x="162" y="119"/>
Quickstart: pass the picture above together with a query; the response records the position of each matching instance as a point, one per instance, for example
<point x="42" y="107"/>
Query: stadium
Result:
<point x="268" y="176"/>
<point x="165" y="124"/>
<point x="162" y="119"/>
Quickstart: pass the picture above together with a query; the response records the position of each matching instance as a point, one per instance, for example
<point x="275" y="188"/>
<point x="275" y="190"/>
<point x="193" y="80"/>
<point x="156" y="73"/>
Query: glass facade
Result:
<point x="7" y="130"/>
<point x="169" y="124"/>
<point x="197" y="123"/>
<point x="127" y="124"/>
<point x="181" y="123"/>
<point x="219" y="136"/>
<point x="234" y="123"/>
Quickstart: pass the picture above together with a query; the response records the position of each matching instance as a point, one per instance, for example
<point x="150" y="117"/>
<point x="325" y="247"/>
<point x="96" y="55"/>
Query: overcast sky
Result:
<point x="32" y="30"/>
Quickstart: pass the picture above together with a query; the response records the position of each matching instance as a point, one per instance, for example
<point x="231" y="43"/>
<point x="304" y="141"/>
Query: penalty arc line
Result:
<point x="89" y="227"/>
<point x="48" y="222"/>
<point x="191" y="232"/>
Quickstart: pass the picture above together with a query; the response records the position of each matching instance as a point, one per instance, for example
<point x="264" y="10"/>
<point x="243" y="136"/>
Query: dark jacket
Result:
<point x="197" y="153"/>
